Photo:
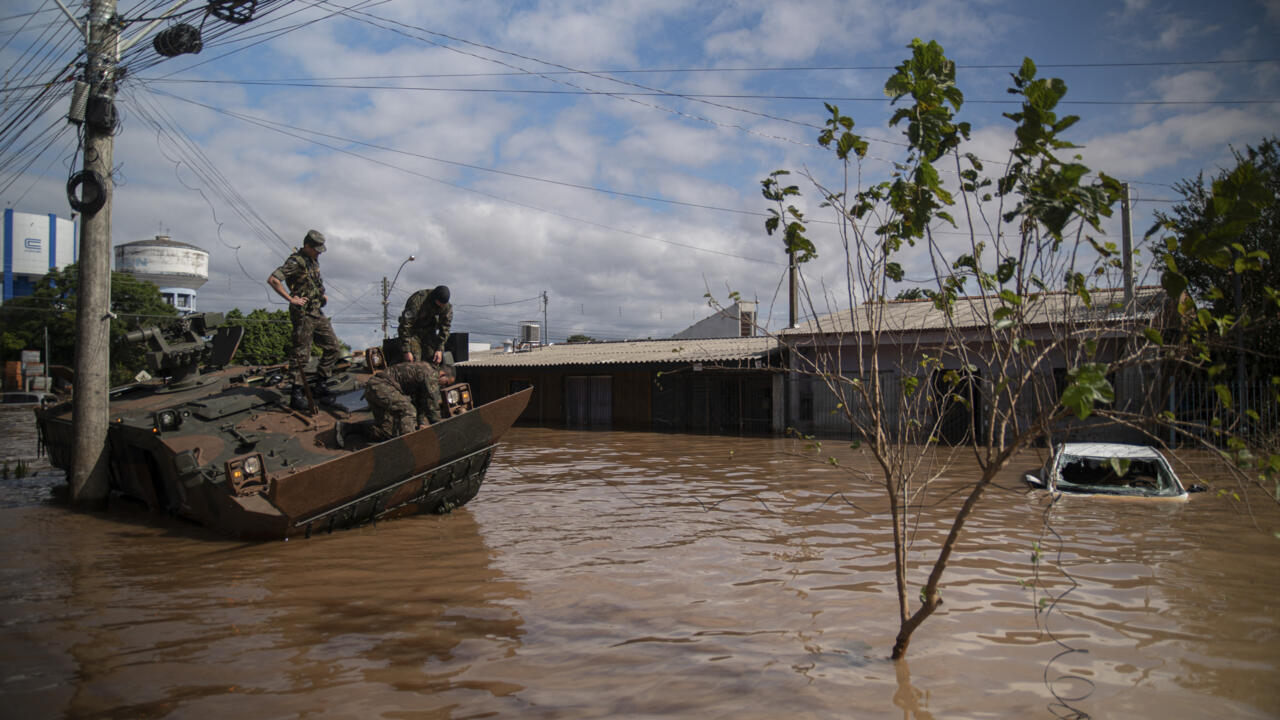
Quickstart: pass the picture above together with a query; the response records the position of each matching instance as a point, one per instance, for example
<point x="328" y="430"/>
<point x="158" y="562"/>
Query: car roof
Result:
<point x="1109" y="450"/>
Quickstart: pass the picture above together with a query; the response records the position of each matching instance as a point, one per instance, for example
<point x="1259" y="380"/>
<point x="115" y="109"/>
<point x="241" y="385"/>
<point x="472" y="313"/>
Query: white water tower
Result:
<point x="177" y="268"/>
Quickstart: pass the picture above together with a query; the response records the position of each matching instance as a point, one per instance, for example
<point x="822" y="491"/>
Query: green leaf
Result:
<point x="1224" y="394"/>
<point x="1119" y="466"/>
<point x="1087" y="385"/>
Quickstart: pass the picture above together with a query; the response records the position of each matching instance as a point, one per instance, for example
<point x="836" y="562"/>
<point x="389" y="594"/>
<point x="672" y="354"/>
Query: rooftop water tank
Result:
<point x="530" y="333"/>
<point x="177" y="268"/>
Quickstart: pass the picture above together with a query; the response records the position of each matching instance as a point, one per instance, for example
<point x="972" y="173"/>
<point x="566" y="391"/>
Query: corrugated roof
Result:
<point x="630" y="352"/>
<point x="975" y="312"/>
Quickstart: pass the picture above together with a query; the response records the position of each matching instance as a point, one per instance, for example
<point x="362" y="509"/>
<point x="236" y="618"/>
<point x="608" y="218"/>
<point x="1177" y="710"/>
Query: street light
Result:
<point x="386" y="292"/>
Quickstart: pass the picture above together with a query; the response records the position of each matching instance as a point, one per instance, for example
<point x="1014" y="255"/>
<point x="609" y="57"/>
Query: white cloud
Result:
<point x="793" y="31"/>
<point x="1139" y="151"/>
<point x="1189" y="86"/>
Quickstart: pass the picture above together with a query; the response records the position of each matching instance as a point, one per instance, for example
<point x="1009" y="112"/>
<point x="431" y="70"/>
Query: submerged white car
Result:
<point x="1110" y="469"/>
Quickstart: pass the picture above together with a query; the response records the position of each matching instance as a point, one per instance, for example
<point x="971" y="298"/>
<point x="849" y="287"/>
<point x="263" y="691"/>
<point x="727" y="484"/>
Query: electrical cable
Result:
<point x="763" y="69"/>
<point x="279" y="127"/>
<point x="879" y="99"/>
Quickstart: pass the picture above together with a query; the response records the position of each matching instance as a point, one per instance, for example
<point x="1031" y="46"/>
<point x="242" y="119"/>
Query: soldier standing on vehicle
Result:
<point x="424" y="324"/>
<point x="305" y="294"/>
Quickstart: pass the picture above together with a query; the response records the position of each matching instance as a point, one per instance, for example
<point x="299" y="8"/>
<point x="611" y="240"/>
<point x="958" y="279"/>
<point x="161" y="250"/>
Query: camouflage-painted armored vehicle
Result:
<point x="242" y="451"/>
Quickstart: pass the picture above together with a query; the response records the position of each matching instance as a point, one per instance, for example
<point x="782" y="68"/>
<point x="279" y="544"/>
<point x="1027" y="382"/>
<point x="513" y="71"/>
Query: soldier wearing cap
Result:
<point x="305" y="294"/>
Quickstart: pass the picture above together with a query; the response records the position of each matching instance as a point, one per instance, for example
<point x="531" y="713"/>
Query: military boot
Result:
<point x="298" y="399"/>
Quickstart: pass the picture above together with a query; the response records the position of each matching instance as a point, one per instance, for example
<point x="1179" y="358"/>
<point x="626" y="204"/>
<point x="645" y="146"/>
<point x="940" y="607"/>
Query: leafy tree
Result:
<point x="1032" y="335"/>
<point x="1211" y="280"/>
<point x="266" y="338"/>
<point x="580" y="338"/>
<point x="914" y="293"/>
<point x="52" y="306"/>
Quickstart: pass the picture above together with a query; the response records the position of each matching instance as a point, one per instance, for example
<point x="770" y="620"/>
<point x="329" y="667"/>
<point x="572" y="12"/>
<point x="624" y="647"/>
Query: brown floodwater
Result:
<point x="638" y="575"/>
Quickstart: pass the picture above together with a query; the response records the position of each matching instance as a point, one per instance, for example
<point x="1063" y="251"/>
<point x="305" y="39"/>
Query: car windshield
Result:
<point x="1116" y="476"/>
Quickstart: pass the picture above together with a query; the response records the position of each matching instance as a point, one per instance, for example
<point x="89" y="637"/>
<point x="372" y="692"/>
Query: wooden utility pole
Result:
<point x="386" y="291"/>
<point x="88" y="478"/>
<point x="89" y="474"/>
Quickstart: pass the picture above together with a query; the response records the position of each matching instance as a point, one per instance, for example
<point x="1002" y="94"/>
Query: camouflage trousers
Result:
<point x="432" y="411"/>
<point x="314" y="328"/>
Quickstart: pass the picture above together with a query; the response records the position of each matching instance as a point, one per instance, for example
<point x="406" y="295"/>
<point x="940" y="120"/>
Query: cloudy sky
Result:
<point x="605" y="155"/>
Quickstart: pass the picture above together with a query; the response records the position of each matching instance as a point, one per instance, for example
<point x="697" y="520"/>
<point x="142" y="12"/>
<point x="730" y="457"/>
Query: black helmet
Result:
<point x="440" y="293"/>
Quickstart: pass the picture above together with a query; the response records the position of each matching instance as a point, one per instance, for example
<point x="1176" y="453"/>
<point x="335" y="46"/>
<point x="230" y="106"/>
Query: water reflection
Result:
<point x="165" y="617"/>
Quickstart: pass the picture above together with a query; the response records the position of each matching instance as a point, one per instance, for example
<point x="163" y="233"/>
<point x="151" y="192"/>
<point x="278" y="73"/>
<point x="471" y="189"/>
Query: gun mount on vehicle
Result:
<point x="177" y="350"/>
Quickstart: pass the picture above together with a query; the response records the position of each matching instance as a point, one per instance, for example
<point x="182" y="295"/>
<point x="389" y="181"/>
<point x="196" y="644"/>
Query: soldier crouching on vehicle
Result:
<point x="402" y="397"/>
<point x="305" y="293"/>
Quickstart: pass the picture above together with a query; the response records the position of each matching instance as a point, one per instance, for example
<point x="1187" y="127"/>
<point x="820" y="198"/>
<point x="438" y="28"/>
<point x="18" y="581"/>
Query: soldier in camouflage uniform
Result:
<point x="305" y="293"/>
<point x="424" y="328"/>
<point x="401" y="396"/>
<point x="425" y="323"/>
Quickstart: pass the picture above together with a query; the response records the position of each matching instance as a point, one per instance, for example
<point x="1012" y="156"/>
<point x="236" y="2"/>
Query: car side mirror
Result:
<point x="1033" y="481"/>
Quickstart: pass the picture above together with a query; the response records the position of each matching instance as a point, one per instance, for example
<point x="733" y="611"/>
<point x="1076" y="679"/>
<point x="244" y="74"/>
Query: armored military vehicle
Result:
<point x="253" y="452"/>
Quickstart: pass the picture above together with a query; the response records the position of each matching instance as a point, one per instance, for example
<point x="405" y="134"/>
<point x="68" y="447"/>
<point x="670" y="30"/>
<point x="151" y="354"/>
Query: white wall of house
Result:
<point x="737" y="320"/>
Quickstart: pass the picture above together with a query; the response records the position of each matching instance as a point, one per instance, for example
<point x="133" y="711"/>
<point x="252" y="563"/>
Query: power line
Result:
<point x="878" y="99"/>
<point x="285" y="129"/>
<point x="569" y="70"/>
<point x="801" y="68"/>
<point x="375" y="19"/>
<point x="481" y="168"/>
<point x="377" y="22"/>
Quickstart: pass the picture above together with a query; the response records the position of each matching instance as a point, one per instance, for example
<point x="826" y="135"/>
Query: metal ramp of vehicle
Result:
<point x="441" y="484"/>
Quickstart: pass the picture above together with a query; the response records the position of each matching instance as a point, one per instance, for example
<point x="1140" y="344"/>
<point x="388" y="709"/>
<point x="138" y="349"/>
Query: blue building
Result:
<point x="34" y="245"/>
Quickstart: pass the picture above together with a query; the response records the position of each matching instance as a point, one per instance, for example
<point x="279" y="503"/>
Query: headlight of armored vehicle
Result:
<point x="454" y="397"/>
<point x="245" y="474"/>
<point x="167" y="420"/>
